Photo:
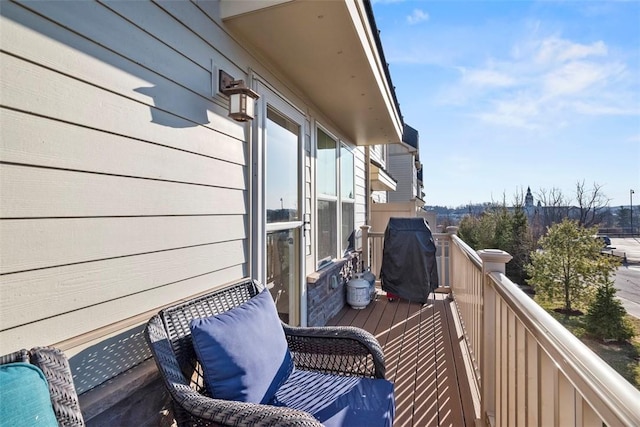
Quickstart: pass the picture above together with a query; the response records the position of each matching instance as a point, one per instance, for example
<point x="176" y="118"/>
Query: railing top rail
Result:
<point x="467" y="250"/>
<point x="610" y="395"/>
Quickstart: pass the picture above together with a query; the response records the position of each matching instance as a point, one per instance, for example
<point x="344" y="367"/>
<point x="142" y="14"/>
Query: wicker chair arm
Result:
<point x="16" y="356"/>
<point x="55" y="366"/>
<point x="231" y="413"/>
<point x="343" y="350"/>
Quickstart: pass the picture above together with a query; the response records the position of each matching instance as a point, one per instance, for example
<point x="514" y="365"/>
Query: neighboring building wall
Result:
<point x="381" y="213"/>
<point x="378" y="154"/>
<point x="379" y="196"/>
<point x="401" y="165"/>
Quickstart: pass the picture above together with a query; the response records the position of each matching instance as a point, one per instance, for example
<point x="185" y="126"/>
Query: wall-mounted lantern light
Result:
<point x="241" y="98"/>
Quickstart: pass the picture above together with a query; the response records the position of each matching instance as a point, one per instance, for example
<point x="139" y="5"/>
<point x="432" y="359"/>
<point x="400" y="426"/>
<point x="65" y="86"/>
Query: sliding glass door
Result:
<point x="282" y="190"/>
<point x="278" y="203"/>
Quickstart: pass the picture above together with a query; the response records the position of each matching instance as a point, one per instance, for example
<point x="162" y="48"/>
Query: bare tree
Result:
<point x="592" y="204"/>
<point x="554" y="206"/>
<point x="519" y="197"/>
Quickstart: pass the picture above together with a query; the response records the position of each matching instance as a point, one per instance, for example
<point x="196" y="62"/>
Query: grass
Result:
<point x="623" y="357"/>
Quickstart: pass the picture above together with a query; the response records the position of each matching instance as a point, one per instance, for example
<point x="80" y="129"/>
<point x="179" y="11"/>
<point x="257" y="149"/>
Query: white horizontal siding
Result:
<point x="37" y="244"/>
<point x="82" y="149"/>
<point x="90" y="285"/>
<point x="402" y="169"/>
<point x="124" y="184"/>
<point x="29" y="192"/>
<point x="37" y="90"/>
<point x="73" y="323"/>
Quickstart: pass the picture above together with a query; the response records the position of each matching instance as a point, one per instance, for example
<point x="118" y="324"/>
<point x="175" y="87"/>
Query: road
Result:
<point x="628" y="276"/>
<point x="628" y="285"/>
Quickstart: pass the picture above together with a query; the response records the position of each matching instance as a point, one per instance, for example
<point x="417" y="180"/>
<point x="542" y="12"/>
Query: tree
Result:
<point x="520" y="246"/>
<point x="606" y="319"/>
<point x="592" y="204"/>
<point x="500" y="227"/>
<point x="590" y="207"/>
<point x="569" y="268"/>
<point x="624" y="217"/>
<point x="554" y="206"/>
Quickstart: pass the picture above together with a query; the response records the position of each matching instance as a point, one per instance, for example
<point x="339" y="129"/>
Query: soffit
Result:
<point x="328" y="51"/>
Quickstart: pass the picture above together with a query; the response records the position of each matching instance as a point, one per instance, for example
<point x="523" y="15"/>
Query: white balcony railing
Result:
<point x="528" y="368"/>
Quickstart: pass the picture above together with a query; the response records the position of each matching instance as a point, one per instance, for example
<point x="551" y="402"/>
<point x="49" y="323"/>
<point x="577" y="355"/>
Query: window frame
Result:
<point x="339" y="199"/>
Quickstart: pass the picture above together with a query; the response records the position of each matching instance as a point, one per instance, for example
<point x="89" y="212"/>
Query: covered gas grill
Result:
<point x="409" y="269"/>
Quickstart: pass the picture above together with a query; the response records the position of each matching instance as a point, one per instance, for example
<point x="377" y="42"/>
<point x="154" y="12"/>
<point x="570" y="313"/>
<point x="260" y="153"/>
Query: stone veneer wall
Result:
<point x="326" y="290"/>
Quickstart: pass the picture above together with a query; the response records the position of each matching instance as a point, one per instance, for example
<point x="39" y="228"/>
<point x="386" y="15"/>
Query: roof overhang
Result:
<point x="410" y="138"/>
<point x="381" y="180"/>
<point x="330" y="51"/>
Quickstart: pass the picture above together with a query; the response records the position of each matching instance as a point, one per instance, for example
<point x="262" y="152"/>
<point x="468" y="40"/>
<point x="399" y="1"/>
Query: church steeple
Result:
<point x="528" y="199"/>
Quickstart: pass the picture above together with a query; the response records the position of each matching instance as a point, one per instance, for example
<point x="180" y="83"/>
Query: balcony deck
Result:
<point x="422" y="348"/>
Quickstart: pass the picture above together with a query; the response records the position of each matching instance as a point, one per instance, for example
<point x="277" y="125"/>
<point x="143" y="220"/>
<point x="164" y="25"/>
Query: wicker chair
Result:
<point x="55" y="366"/>
<point x="345" y="351"/>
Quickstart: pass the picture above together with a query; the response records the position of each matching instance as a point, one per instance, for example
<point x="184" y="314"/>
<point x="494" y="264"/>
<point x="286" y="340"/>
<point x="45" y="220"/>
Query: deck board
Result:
<point x="423" y="358"/>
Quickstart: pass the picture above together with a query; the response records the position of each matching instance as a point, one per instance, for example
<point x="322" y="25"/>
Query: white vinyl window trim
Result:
<point x="335" y="204"/>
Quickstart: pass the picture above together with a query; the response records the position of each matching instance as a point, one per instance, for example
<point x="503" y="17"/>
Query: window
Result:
<point x="347" y="195"/>
<point x="335" y="185"/>
<point x="282" y="173"/>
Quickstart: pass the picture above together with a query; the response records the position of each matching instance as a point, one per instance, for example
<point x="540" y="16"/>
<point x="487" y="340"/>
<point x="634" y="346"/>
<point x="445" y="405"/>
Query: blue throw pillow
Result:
<point x="24" y="397"/>
<point x="243" y="351"/>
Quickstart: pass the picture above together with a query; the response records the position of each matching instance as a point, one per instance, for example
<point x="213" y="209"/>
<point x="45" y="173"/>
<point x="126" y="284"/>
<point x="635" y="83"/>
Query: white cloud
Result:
<point x="519" y="111"/>
<point x="577" y="76"/>
<point x="488" y="78"/>
<point x="417" y="16"/>
<point x="535" y="83"/>
<point x="554" y="50"/>
<point x="595" y="109"/>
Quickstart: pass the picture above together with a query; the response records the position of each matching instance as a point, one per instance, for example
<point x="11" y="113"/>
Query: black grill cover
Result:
<point x="409" y="267"/>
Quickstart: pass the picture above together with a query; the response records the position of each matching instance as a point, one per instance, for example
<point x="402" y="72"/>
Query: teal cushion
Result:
<point x="24" y="396"/>
<point x="243" y="351"/>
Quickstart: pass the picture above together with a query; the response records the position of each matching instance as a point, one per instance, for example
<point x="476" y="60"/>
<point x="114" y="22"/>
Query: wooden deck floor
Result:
<point x="423" y="359"/>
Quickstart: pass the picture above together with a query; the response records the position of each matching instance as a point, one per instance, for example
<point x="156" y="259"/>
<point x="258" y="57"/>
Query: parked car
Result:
<point x="606" y="241"/>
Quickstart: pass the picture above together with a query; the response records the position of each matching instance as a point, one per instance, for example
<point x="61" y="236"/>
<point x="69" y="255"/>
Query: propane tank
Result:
<point x="371" y="278"/>
<point x="358" y="294"/>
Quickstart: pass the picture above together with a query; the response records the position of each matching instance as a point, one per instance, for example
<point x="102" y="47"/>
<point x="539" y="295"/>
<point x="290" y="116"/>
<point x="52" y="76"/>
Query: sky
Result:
<point x="514" y="94"/>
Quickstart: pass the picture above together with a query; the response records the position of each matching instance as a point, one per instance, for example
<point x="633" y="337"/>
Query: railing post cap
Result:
<point x="494" y="256"/>
<point x="452" y="229"/>
<point x="365" y="227"/>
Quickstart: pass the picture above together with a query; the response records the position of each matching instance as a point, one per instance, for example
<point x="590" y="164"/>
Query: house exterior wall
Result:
<point x="361" y="187"/>
<point x="124" y="185"/>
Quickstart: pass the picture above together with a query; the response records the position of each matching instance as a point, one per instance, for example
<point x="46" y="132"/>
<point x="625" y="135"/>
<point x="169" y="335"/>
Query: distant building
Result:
<point x="530" y="209"/>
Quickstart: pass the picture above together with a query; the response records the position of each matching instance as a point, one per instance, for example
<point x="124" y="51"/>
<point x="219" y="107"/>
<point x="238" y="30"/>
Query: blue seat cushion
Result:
<point x="24" y="396"/>
<point x="243" y="351"/>
<point x="338" y="400"/>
